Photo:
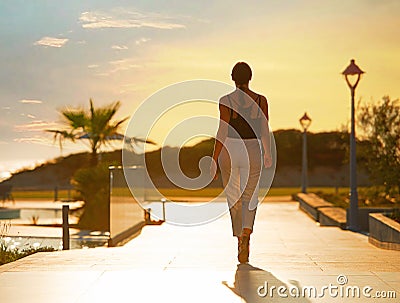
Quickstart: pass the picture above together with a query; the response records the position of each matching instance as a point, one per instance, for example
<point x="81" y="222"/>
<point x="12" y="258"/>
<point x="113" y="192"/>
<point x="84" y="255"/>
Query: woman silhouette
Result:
<point x="241" y="146"/>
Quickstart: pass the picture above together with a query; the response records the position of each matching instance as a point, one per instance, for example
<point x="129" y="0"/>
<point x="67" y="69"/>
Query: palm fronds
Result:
<point x="95" y="125"/>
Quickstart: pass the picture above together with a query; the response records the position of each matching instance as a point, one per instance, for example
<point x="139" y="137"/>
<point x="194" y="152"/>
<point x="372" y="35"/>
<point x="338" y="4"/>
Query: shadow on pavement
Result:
<point x="255" y="285"/>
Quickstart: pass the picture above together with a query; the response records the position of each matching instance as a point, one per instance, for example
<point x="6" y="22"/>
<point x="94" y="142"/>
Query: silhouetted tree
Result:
<point x="95" y="125"/>
<point x="381" y="125"/>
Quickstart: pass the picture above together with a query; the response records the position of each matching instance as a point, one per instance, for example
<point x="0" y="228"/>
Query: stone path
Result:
<point x="198" y="264"/>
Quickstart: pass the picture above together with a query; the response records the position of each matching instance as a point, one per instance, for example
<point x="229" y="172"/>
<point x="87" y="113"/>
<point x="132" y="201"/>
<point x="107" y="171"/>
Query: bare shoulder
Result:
<point x="263" y="101"/>
<point x="264" y="106"/>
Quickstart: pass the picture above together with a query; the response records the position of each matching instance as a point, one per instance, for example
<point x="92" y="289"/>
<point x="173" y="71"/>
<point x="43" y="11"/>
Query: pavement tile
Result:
<point x="40" y="286"/>
<point x="164" y="286"/>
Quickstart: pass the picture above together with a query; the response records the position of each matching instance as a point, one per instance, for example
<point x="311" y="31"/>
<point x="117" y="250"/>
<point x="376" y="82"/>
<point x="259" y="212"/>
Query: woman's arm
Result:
<point x="265" y="135"/>
<point x="222" y="133"/>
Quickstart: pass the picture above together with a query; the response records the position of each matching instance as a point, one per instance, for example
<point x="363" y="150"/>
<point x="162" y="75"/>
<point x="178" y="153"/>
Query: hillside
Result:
<point x="327" y="154"/>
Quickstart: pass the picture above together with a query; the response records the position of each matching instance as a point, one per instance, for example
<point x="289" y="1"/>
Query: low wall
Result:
<point x="384" y="232"/>
<point x="329" y="215"/>
<point x="332" y="216"/>
<point x="311" y="203"/>
<point x="363" y="215"/>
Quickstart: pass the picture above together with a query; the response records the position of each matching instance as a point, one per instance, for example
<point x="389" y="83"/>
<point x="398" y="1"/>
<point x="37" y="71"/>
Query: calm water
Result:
<point x="21" y="236"/>
<point x="43" y="216"/>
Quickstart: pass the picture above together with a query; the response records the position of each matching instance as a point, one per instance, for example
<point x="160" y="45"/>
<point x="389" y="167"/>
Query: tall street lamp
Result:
<point x="353" y="70"/>
<point x="305" y="122"/>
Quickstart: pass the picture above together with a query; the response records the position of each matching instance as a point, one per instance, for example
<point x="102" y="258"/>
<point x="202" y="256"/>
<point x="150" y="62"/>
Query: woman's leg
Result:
<point x="250" y="173"/>
<point x="231" y="182"/>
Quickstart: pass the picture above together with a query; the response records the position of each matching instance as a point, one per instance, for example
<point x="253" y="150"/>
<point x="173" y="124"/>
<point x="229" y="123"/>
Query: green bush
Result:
<point x="373" y="196"/>
<point x="395" y="215"/>
<point x="93" y="185"/>
<point x="380" y="123"/>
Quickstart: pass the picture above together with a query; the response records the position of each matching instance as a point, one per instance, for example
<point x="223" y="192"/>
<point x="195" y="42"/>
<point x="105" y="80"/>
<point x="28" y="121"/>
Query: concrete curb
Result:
<point x="384" y="232"/>
<point x="321" y="211"/>
<point x="332" y="216"/>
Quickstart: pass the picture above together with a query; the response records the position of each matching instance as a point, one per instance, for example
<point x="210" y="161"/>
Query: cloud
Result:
<point x="29" y="116"/>
<point x="34" y="126"/>
<point x="118" y="66"/>
<point x="127" y="88"/>
<point x="119" y="47"/>
<point x="29" y="140"/>
<point x="30" y="101"/>
<point x="141" y="41"/>
<point x="35" y="140"/>
<point x="105" y="74"/>
<point x="93" y="66"/>
<point x="121" y="65"/>
<point x="123" y="18"/>
<point x="52" y="42"/>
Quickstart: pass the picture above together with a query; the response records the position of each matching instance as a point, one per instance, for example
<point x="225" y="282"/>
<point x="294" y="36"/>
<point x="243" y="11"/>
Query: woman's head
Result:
<point x="241" y="73"/>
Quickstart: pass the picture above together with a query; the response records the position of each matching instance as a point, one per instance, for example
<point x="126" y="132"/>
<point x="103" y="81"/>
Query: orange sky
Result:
<point x="53" y="56"/>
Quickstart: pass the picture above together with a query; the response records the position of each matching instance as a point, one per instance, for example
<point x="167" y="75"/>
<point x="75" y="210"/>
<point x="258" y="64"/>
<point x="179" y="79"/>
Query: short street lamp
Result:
<point x="353" y="70"/>
<point x="305" y="122"/>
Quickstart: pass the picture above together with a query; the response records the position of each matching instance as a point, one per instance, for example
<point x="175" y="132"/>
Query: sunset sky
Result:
<point x="61" y="53"/>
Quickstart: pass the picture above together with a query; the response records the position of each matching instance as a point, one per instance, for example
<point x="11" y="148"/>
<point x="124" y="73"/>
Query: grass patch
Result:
<point x="367" y="197"/>
<point x="213" y="192"/>
<point x="337" y="196"/>
<point x="42" y="194"/>
<point x="8" y="255"/>
<point x="175" y="192"/>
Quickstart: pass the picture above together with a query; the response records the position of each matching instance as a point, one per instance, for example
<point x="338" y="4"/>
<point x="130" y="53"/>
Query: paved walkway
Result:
<point x="198" y="264"/>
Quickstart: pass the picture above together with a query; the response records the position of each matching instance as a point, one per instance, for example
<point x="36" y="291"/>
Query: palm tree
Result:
<point x="94" y="125"/>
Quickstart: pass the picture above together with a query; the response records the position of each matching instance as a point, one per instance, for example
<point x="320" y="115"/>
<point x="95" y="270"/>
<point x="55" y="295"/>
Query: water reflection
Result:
<point x="78" y="241"/>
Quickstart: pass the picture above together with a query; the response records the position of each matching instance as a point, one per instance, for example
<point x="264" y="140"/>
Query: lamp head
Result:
<point x="352" y="69"/>
<point x="352" y="74"/>
<point x="305" y="121"/>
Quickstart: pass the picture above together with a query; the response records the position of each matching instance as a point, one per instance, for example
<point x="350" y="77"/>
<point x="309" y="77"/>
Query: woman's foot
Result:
<point x="243" y="248"/>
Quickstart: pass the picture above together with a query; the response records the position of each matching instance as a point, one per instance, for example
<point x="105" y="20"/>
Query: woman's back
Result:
<point x="245" y="114"/>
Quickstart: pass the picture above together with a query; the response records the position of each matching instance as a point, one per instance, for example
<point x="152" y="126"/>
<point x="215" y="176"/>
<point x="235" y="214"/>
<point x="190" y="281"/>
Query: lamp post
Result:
<point x="305" y="122"/>
<point x="353" y="70"/>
